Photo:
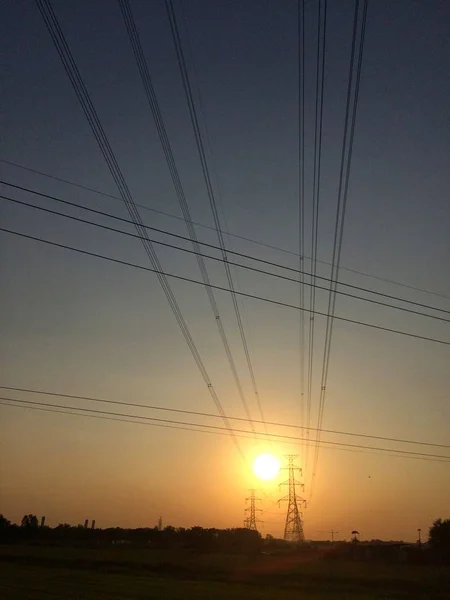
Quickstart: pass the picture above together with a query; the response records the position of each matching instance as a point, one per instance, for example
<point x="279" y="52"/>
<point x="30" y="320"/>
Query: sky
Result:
<point x="79" y="325"/>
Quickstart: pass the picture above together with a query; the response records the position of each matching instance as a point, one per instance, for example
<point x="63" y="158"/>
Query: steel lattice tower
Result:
<point x="293" y="529"/>
<point x="251" y="521"/>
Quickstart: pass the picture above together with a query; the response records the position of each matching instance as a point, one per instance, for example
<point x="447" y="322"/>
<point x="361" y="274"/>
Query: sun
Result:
<point x="266" y="466"/>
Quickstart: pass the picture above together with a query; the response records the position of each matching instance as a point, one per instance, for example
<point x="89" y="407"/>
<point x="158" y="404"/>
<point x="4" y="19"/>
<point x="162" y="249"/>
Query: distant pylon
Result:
<point x="251" y="521"/>
<point x="293" y="528"/>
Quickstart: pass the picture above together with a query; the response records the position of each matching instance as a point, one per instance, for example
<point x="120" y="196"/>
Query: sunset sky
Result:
<point x="79" y="325"/>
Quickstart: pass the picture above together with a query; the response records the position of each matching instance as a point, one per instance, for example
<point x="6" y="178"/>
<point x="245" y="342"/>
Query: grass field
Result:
<point x="30" y="573"/>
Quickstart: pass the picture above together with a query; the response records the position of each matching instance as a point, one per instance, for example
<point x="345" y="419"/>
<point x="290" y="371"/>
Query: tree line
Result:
<point x="195" y="538"/>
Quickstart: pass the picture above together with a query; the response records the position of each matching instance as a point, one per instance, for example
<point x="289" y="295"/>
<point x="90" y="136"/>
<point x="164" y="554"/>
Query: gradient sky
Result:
<point x="83" y="326"/>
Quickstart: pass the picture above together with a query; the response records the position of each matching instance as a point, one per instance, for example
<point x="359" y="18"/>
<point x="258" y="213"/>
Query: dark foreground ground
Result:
<point x="30" y="573"/>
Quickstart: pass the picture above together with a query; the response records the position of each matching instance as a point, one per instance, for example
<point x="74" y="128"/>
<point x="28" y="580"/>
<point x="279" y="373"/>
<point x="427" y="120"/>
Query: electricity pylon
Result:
<point x="251" y="521"/>
<point x="333" y="532"/>
<point x="293" y="528"/>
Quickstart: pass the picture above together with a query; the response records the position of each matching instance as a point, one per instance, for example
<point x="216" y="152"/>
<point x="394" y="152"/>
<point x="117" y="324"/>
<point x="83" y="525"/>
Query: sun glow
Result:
<point x="266" y="466"/>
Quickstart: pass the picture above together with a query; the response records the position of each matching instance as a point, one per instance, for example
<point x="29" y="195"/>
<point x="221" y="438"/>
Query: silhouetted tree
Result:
<point x="439" y="538"/>
<point x="4" y="523"/>
<point x="169" y="530"/>
<point x="197" y="539"/>
<point x="30" y="521"/>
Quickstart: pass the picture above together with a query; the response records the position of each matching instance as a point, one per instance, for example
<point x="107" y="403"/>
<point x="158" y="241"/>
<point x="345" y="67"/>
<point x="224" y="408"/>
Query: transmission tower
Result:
<point x="251" y="521"/>
<point x="293" y="529"/>
<point x="332" y="532"/>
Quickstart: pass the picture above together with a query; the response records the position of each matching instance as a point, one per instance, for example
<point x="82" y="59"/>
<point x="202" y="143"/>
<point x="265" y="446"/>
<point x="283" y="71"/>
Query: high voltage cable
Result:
<point x="239" y="254"/>
<point x="233" y="235"/>
<point x="66" y="412"/>
<point x="217" y="287"/>
<point x="135" y="421"/>
<point x="320" y="79"/>
<point x="214" y="416"/>
<point x="405" y="453"/>
<point x="84" y="99"/>
<point x="344" y="176"/>
<point x="218" y="229"/>
<point x="210" y="191"/>
<point x="215" y="258"/>
<point x="301" y="196"/>
<point x="141" y="62"/>
<point x="347" y="150"/>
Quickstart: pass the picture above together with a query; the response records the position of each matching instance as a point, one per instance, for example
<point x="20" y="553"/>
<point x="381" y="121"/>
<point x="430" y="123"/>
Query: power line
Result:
<point x="233" y="235"/>
<point x="91" y="115"/>
<point x="184" y="238"/>
<point x="66" y="412"/>
<point x="217" y="287"/>
<point x="218" y="229"/>
<point x="241" y="436"/>
<point x="344" y="176"/>
<point x="210" y="191"/>
<point x="301" y="196"/>
<point x="320" y="80"/>
<point x="141" y="62"/>
<point x="206" y="280"/>
<point x="405" y="453"/>
<point x="214" y="416"/>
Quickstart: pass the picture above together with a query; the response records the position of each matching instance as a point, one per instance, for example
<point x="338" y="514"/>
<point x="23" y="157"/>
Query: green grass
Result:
<point x="125" y="573"/>
<point x="31" y="583"/>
